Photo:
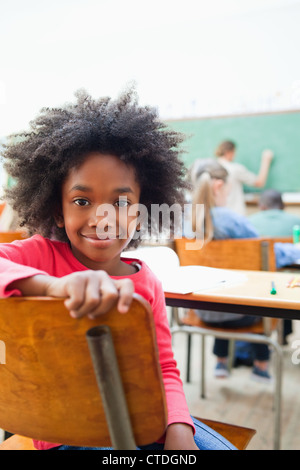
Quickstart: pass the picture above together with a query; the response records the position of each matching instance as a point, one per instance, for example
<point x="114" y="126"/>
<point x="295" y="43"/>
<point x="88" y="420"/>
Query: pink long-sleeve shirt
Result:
<point x="38" y="255"/>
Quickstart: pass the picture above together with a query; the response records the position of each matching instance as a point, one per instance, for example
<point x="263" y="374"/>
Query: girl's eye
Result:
<point x="122" y="202"/>
<point x="81" y="202"/>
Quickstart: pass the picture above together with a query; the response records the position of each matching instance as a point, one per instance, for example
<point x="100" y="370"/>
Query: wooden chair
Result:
<point x="270" y="242"/>
<point x="10" y="236"/>
<point x="241" y="253"/>
<point x="244" y="254"/>
<point x="54" y="369"/>
<point x="252" y="254"/>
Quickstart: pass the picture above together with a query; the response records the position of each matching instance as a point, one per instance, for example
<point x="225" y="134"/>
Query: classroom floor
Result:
<point x="239" y="400"/>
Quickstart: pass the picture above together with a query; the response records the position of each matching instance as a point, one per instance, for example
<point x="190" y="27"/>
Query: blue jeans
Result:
<point x="205" y="438"/>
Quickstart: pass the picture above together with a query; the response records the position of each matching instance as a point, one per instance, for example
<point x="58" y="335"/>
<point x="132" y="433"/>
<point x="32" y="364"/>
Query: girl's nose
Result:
<point x="93" y="220"/>
<point x="104" y="218"/>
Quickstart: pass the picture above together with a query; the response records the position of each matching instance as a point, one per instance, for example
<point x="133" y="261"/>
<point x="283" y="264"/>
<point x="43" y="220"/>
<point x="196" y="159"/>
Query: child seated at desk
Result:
<point x="210" y="189"/>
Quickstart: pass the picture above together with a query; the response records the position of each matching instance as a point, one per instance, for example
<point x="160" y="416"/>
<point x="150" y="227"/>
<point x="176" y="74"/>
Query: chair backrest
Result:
<point x="48" y="387"/>
<point x="10" y="236"/>
<point x="240" y="253"/>
<point x="269" y="243"/>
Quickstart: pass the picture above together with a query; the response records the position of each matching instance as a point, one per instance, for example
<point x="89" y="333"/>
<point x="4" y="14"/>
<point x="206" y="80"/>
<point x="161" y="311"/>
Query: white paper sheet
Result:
<point x="187" y="279"/>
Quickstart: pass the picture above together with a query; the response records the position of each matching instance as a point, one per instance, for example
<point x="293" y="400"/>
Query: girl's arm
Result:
<point x="88" y="293"/>
<point x="180" y="431"/>
<point x="40" y="267"/>
<point x="180" y="436"/>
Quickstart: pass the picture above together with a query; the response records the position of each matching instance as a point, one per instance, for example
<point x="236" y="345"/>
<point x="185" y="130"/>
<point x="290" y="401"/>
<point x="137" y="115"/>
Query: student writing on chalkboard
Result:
<point x="238" y="174"/>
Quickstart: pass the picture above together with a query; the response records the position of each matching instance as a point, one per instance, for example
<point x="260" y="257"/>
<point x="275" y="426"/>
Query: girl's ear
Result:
<point x="59" y="219"/>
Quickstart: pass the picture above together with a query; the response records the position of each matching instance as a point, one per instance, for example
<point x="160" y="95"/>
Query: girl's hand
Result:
<point x="179" y="436"/>
<point x="91" y="293"/>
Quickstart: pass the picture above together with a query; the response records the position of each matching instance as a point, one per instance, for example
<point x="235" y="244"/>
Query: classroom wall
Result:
<point x="252" y="134"/>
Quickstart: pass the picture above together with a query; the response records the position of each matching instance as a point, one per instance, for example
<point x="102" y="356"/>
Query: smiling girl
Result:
<point x="75" y="161"/>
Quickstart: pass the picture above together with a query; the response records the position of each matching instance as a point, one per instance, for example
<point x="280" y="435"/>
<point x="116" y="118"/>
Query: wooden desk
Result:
<point x="250" y="297"/>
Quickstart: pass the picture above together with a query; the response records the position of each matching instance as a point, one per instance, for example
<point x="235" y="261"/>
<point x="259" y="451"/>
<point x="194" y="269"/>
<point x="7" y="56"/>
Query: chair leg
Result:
<point x="231" y="354"/>
<point x="188" y="360"/>
<point x="203" y="391"/>
<point x="173" y="315"/>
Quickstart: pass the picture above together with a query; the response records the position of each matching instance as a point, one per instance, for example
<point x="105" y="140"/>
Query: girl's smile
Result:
<point x="96" y="198"/>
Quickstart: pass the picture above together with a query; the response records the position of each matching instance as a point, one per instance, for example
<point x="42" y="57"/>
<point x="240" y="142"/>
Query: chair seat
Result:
<point x="239" y="436"/>
<point x="192" y="319"/>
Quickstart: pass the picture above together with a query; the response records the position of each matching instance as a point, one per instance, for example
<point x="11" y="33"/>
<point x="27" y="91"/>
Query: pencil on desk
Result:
<point x="273" y="288"/>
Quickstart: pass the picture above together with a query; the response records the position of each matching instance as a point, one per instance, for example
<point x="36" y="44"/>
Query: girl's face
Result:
<point x="96" y="201"/>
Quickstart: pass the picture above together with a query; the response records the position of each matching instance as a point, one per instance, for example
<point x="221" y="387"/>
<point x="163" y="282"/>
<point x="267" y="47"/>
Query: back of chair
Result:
<point x="10" y="236"/>
<point x="245" y="253"/>
<point x="271" y="252"/>
<point x="48" y="387"/>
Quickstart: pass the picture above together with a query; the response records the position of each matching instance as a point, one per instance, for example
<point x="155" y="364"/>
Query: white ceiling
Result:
<point x="186" y="57"/>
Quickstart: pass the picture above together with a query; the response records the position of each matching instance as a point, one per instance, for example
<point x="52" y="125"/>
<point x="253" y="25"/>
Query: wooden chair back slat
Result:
<point x="225" y="254"/>
<point x="47" y="385"/>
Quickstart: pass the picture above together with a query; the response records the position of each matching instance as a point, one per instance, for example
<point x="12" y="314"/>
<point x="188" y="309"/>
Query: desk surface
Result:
<point x="252" y="296"/>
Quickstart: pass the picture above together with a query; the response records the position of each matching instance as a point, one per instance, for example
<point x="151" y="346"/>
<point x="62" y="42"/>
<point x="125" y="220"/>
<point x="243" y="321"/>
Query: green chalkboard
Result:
<point x="252" y="134"/>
